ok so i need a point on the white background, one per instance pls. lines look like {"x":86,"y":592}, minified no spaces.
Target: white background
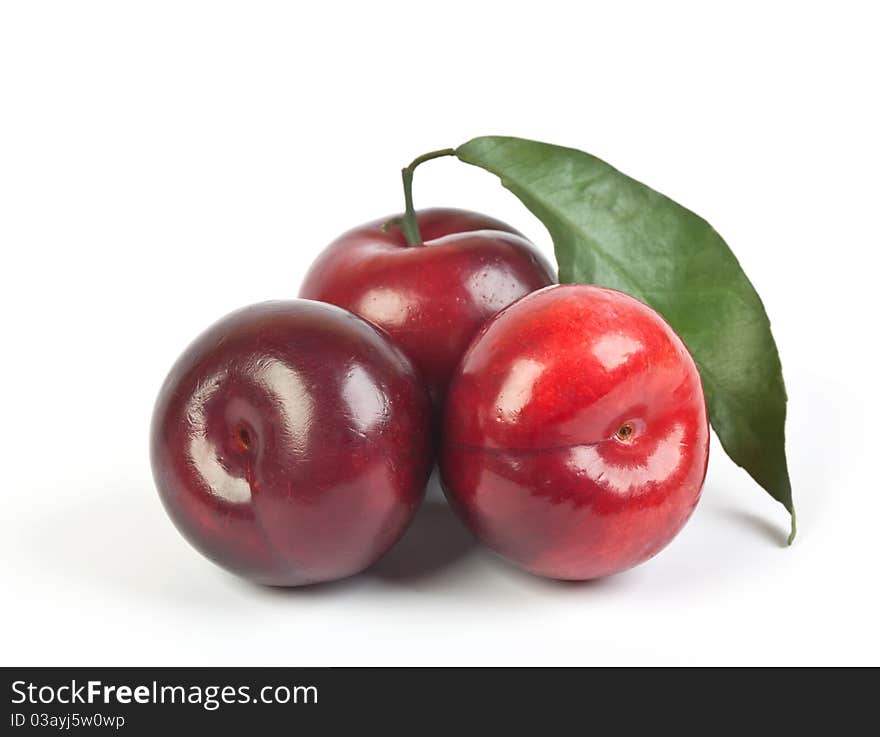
{"x":163,"y":163}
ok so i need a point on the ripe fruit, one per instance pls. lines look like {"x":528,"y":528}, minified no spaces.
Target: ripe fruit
{"x":430,"y":298}
{"x":290,"y":443}
{"x":576,"y":435}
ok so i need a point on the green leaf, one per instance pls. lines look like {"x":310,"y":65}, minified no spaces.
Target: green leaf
{"x":611,"y":230}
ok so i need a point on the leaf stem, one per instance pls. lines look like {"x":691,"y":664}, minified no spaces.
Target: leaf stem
{"x":408,"y":222}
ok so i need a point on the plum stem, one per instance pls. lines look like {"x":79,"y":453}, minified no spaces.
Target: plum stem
{"x":408,"y":223}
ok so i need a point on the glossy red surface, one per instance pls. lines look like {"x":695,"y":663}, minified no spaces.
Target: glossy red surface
{"x":433,"y":298}
{"x":291,"y":443}
{"x":575,"y":436}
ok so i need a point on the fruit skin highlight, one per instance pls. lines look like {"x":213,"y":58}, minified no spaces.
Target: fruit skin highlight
{"x":291,"y":443}
{"x":576,"y":436}
{"x":430,"y":298}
